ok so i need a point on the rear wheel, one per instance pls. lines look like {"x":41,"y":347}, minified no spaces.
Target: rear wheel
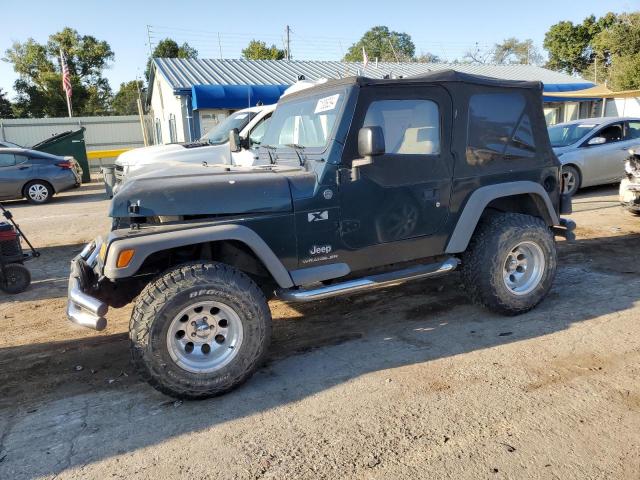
{"x":17,"y":278}
{"x":199,"y":330}
{"x":510,"y":263}
{"x":38,"y":192}
{"x":571,"y":180}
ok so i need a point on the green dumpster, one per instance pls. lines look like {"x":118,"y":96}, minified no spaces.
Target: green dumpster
{"x":71,"y":144}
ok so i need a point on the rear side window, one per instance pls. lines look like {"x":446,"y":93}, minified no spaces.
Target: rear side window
{"x":498,"y":126}
{"x":410,"y":127}
{"x":7,"y":159}
{"x":633,"y":130}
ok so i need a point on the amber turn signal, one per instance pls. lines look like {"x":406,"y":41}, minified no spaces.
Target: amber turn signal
{"x":124,"y":258}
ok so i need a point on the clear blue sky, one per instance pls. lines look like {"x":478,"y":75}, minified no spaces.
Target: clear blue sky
{"x":321,"y":30}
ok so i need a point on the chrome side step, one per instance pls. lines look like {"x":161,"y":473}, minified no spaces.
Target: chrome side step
{"x":368,"y":283}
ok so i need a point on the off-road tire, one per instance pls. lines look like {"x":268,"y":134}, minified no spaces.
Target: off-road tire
{"x":17,"y":278}
{"x":163,"y":298}
{"x":483,"y":262}
{"x":42,"y":186}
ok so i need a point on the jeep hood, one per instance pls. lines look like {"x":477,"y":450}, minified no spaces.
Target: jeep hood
{"x":198,"y":190}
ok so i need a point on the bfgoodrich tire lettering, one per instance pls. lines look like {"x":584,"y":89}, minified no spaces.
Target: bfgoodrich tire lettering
{"x":172,"y":293}
{"x":495,"y":248}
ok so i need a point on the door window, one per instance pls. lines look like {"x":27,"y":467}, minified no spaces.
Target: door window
{"x":410,"y":127}
{"x":612,"y":133}
{"x":633,"y":130}
{"x":255,"y":137}
{"x":7,"y":159}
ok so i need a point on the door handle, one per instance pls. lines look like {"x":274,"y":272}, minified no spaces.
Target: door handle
{"x":23,"y":168}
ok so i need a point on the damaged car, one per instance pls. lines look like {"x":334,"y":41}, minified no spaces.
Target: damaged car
{"x":630,"y":184}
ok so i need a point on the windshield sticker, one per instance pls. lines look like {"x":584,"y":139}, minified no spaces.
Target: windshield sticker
{"x":327,"y":103}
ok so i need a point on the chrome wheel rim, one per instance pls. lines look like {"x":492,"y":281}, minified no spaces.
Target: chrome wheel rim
{"x":204,"y":337}
{"x":569,"y":181}
{"x":524,"y":267}
{"x":38,"y":192}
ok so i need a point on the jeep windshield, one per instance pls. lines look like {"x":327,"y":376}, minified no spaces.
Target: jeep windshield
{"x":563,"y":135}
{"x":305,"y":122}
{"x":220,"y":133}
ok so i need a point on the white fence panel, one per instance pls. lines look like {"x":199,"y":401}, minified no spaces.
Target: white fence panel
{"x":102,"y":133}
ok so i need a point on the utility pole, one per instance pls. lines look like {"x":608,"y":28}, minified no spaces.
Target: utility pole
{"x":393,"y":50}
{"x":288,"y":49}
{"x":595,"y":70}
{"x":149,"y":39}
{"x":220,"y":45}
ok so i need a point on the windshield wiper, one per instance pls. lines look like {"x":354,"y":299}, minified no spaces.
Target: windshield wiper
{"x":299,"y":149}
{"x":269,"y":149}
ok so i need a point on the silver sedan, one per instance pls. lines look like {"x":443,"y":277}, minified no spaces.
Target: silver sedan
{"x":593,"y":150}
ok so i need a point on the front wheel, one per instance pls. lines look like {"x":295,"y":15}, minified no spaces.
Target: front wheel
{"x":199,"y":330}
{"x":510,"y":263}
{"x":571,"y":180}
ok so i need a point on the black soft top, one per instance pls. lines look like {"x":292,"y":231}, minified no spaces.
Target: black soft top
{"x":439,"y":76}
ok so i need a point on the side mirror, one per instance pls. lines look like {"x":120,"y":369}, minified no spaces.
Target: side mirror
{"x":370,"y":144}
{"x":597,"y":141}
{"x":234,"y":140}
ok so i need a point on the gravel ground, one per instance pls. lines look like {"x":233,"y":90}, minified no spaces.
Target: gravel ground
{"x":407,"y":382}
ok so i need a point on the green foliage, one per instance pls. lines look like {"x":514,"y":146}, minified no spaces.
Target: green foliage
{"x":258,"y":50}
{"x":6,"y":110}
{"x":605,"y":49}
{"x":618,"y":49}
{"x":570,"y":46}
{"x":385,"y":45}
{"x":39,"y":86}
{"x":427,"y":58}
{"x":169,"y":48}
{"x":125,"y":102}
{"x":514,"y":51}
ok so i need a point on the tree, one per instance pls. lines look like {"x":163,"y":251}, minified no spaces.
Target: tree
{"x":169,"y":48}
{"x":385,"y":45}
{"x":617,"y":48}
{"x":514,"y":51}
{"x":570,"y":46}
{"x":258,"y":50}
{"x":39,"y":86}
{"x":428,"y":58}
{"x":125,"y":102}
{"x":6,"y":110}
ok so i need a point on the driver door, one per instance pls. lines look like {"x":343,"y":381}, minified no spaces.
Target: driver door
{"x":605,"y":163}
{"x":404,"y":194}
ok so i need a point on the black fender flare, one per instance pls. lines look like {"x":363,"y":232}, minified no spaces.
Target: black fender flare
{"x":146,"y":245}
{"x":478,"y":201}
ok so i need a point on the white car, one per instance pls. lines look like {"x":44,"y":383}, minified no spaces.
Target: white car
{"x":213,"y":148}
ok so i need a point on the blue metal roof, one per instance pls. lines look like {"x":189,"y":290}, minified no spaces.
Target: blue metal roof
{"x":234,"y":96}
{"x":183,"y":74}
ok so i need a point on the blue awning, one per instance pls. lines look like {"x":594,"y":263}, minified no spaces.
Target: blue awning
{"x":565,"y":87}
{"x":234,"y":96}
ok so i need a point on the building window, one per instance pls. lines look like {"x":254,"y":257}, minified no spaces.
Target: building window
{"x":410,"y":127}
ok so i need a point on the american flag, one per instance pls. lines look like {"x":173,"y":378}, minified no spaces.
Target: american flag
{"x":66,"y":77}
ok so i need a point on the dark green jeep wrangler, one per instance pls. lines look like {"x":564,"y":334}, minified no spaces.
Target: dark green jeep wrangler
{"x":358,"y":184}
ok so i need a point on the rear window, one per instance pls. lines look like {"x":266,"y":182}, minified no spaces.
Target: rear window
{"x":499,"y":127}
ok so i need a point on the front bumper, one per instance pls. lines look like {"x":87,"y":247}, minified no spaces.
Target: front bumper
{"x":82,"y":308}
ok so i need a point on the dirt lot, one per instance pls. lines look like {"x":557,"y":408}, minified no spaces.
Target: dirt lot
{"x":409,"y":382}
